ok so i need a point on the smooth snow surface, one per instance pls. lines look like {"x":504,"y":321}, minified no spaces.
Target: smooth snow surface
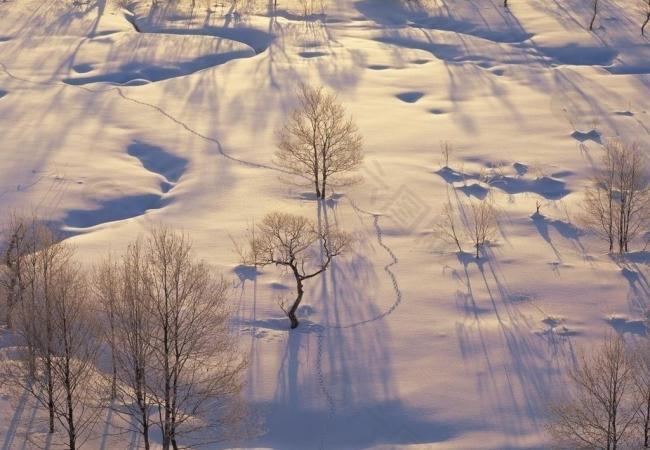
{"x":116,"y":117}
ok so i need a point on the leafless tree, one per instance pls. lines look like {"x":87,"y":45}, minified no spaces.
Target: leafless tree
{"x":449,"y":228}
{"x":44,"y":257}
{"x":106,"y":287}
{"x":599,"y":411}
{"x":120,"y":287}
{"x":292,"y":242}
{"x":475,"y":221}
{"x":482,"y":223}
{"x":195,"y":378}
{"x":57,"y":331}
{"x":319,"y":142}
{"x":11,"y":275}
{"x":640,"y":355}
{"x":617,"y":205}
{"x":74,"y":342}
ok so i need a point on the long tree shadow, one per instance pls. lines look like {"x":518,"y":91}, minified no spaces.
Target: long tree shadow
{"x":534,"y":362}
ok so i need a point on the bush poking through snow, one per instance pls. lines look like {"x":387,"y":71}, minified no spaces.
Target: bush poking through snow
{"x":475,"y":221}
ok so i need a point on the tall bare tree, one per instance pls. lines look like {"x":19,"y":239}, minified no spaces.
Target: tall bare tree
{"x":43,"y":258}
{"x":56,"y":365}
{"x":11,"y":275}
{"x":75,"y":344}
{"x":617,"y":205}
{"x":600,"y":410}
{"x":292,"y":242}
{"x":319,"y":142}
{"x":120,"y":286}
{"x":640,"y":356}
{"x":106,"y":287}
{"x":195,"y":378}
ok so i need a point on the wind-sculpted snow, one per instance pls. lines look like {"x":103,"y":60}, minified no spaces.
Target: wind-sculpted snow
{"x":150,"y":57}
{"x":478,"y":184}
{"x":168,"y":114}
{"x":120,"y":208}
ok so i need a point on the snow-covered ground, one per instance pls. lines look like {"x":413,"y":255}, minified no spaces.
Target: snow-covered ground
{"x":116,"y":117}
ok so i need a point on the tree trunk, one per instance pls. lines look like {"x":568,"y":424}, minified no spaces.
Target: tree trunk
{"x":292,"y":311}
{"x":167,"y":406}
{"x":145,"y":434}
{"x":593,"y":18}
{"x":324,"y":188}
{"x":72,"y":432}
{"x":477,"y":249}
{"x":50,"y":396}
{"x":646,"y":422}
{"x":318,"y":192}
{"x":647,"y":19}
{"x":141,"y":399}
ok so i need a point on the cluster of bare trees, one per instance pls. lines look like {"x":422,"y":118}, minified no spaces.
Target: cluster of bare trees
{"x":617,"y":205}
{"x":160,"y":314}
{"x":608,"y":403}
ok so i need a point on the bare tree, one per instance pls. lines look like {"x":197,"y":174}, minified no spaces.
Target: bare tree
{"x":120,"y":287}
{"x":56,"y":364}
{"x":319,"y":142}
{"x":44,"y":257}
{"x":482,"y":223}
{"x":475,"y":221}
{"x":292,"y":241}
{"x":617,"y":205}
{"x":75,"y":344}
{"x":11,"y":275}
{"x":449,"y":229}
{"x":640,"y":356}
{"x":600,"y":410}
{"x":195,"y":378}
{"x":106,"y":286}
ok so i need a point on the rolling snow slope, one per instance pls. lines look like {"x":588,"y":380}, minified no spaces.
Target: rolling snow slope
{"x":113,"y":119}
